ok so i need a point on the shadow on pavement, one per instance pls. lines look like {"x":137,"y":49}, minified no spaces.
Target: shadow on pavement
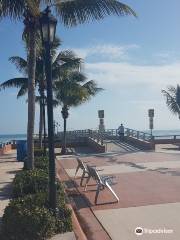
{"x":166,"y":171}
{"x":5,"y":191}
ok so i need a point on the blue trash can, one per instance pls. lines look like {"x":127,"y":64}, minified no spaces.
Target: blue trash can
{"x":21,"y":150}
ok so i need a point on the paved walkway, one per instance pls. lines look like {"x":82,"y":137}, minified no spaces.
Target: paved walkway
{"x":64,"y":236}
{"x":8,"y":168}
{"x":118,"y":146}
{"x":147,"y":184}
{"x":168,"y":148}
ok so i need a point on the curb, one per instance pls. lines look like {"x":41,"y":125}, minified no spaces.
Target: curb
{"x":76,"y":226}
{"x":80,"y":235}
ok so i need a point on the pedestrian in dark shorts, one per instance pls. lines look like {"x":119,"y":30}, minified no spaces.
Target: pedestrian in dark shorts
{"x":121,"y":132}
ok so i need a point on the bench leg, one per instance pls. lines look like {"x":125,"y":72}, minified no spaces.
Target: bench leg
{"x":82,"y":178}
{"x":88,"y":178}
{"x":111,"y":190}
{"x":97,"y":192}
{"x":76,"y":170}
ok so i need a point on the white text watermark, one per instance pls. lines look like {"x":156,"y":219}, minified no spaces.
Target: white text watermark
{"x":140,"y":231}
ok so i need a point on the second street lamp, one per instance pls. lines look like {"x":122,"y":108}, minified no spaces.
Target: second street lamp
{"x":48,"y":29}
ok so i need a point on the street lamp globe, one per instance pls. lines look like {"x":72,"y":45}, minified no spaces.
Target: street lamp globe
{"x":48,"y":26}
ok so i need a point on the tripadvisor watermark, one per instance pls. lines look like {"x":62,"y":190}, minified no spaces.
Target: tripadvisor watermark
{"x":140,"y":231}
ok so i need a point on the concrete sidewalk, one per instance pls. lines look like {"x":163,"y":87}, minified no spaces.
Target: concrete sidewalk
{"x":8,"y":168}
{"x":147,"y":184}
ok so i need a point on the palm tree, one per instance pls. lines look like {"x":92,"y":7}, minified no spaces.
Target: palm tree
{"x":72,"y":89}
{"x":172,"y":96}
{"x":61,"y":61}
{"x":70,"y":13}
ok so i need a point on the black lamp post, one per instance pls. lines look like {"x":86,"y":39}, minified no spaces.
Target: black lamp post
{"x":48,"y":29}
{"x":65,"y":115}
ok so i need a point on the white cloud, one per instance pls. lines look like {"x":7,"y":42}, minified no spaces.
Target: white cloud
{"x":110,"y":51}
{"x":111,"y":67}
{"x":167,"y":57}
{"x":129,"y":75}
{"x":131,"y":88}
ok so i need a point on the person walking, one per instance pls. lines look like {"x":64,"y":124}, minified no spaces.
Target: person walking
{"x":121,"y":132}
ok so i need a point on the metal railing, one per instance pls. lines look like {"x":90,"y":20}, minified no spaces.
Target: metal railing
{"x":77,"y":135}
{"x":168,"y":137}
{"x":3,"y":144}
{"x":100,"y":136}
{"x":94,"y":134}
{"x":138,"y":134}
{"x":130,"y":133}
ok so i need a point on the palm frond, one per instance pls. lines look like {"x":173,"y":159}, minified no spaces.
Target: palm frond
{"x":20,"y":63}
{"x":12,"y":8}
{"x":73,"y":12}
{"x":14,"y":82}
{"x":72,"y":64}
{"x":171,"y":90}
{"x":56,"y":44}
{"x":171,"y":103}
{"x":65,"y":61}
{"x":23,"y":90}
{"x":178,"y":95}
{"x":92,"y":88}
{"x":66,"y":56}
{"x":76,"y":77}
{"x":71,"y":91}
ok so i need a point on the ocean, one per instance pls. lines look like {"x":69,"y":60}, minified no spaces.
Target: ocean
{"x":164,"y":132}
{"x":8,"y":137}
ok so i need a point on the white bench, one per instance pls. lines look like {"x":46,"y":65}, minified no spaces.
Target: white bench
{"x":102,"y":182}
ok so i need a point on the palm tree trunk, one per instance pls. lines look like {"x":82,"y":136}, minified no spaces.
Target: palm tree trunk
{"x":44,"y":123}
{"x":65,"y":116}
{"x":31,"y":96}
{"x":41,"y":121}
{"x":63,"y":151}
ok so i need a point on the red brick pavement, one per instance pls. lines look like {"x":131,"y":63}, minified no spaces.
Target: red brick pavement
{"x":134,"y":189}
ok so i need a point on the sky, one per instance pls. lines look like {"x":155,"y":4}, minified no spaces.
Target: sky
{"x":132,"y":59}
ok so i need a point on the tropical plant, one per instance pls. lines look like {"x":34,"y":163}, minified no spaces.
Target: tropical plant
{"x":61,"y":61}
{"x":70,"y":13}
{"x":72,"y":89}
{"x":172,"y":96}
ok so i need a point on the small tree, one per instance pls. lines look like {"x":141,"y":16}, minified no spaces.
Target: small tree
{"x":172,"y":96}
{"x":73,"y":89}
{"x":65,"y":59}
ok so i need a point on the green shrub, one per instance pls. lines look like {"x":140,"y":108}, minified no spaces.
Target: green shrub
{"x":41,"y":163}
{"x":40,"y":199}
{"x":38,"y":152}
{"x":20,"y":223}
{"x":29,"y":218}
{"x":29,"y":182}
{"x":31,"y":200}
{"x":63,"y":220}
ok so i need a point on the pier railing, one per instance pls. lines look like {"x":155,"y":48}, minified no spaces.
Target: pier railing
{"x":100,"y":136}
{"x":170,"y":137}
{"x":97,"y":135}
{"x":94,"y":134}
{"x":130,"y":133}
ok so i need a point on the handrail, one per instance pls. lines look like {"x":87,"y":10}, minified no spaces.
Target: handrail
{"x":130,"y":133}
{"x":99,"y":136}
{"x":167,"y":135}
